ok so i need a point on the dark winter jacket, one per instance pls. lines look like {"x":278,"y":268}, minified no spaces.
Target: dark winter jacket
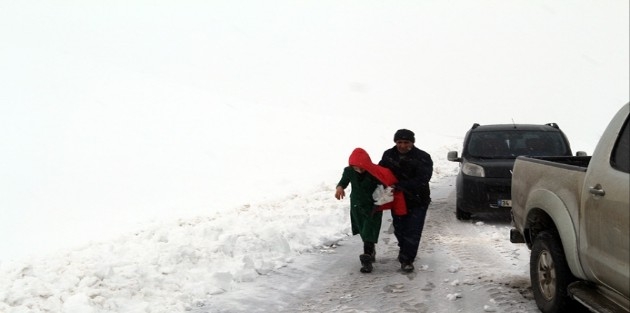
{"x":413,"y":170}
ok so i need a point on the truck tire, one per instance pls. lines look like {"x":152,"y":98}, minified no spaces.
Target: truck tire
{"x":550,"y":274}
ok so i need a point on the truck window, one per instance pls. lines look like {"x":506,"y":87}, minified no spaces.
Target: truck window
{"x":620,"y":158}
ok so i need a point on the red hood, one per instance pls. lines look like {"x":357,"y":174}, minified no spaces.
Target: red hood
{"x":362,"y":159}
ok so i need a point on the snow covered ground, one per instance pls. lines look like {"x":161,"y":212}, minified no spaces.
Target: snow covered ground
{"x":160,"y":156}
{"x":463,"y":267}
{"x":290,"y":255}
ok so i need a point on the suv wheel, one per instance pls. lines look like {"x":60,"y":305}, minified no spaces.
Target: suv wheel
{"x":460,"y":214}
{"x":549,"y":273}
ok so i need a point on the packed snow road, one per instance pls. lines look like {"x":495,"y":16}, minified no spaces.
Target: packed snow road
{"x":463,"y":266}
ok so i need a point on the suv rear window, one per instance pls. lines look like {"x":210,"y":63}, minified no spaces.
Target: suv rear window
{"x":512,"y":143}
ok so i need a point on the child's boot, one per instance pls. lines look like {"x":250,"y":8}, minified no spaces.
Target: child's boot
{"x":368,"y":257}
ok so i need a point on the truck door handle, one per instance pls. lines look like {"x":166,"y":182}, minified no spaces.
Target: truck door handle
{"x":597,"y":190}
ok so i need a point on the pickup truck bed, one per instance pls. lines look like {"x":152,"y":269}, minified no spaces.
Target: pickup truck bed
{"x":576,"y":162}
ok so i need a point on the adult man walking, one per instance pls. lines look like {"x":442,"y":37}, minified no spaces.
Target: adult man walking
{"x":413,"y":168}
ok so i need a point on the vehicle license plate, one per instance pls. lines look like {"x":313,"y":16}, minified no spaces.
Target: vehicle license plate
{"x":505,"y":203}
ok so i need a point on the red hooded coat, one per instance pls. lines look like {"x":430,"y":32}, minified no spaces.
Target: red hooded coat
{"x":360,"y":158}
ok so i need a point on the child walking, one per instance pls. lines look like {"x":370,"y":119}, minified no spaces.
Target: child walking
{"x":365,"y":215}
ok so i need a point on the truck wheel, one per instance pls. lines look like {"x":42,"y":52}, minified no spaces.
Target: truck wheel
{"x":460,"y":214}
{"x":550,"y":274}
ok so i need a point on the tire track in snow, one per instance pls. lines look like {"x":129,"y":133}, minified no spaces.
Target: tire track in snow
{"x":487,"y":262}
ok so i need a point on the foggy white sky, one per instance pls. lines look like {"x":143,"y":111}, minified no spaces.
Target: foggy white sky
{"x":129,"y":111}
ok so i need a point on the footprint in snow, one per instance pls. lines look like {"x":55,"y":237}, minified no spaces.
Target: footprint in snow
{"x":428,"y":287}
{"x":418,"y":307}
{"x":395,"y":288}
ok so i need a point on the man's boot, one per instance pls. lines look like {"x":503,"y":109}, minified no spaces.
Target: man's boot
{"x":405,"y":264}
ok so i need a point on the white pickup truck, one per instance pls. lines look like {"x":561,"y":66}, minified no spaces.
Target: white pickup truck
{"x":574,"y":215}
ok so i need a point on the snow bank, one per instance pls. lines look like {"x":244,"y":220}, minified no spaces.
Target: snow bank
{"x":168,"y":267}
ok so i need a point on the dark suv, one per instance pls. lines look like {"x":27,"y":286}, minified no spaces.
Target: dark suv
{"x":485,"y":176}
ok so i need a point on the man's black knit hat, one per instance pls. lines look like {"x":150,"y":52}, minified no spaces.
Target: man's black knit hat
{"x":404,"y":134}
